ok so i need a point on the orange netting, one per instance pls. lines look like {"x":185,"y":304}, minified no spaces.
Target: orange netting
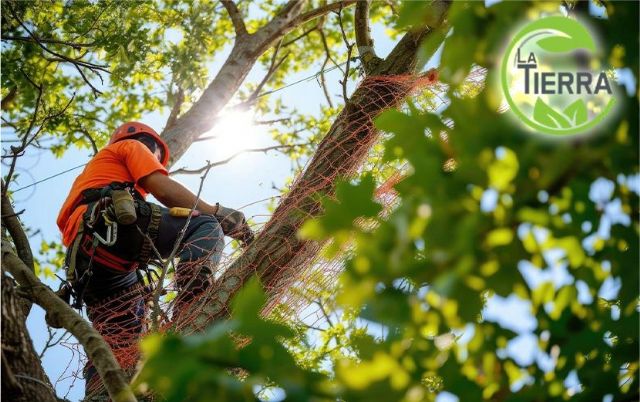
{"x":290,"y":268}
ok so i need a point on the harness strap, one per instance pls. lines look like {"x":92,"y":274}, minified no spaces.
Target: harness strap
{"x":146,"y":253}
{"x":71,"y":268}
{"x":104,"y":257}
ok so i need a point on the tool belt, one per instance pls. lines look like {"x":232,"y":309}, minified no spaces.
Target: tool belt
{"x":109,"y":245}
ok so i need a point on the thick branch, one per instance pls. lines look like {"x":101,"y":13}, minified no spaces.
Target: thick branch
{"x":57,"y":310}
{"x":198,"y":119}
{"x":277,"y":252}
{"x":14,"y":227}
{"x":23,"y":377}
{"x":175,"y":110}
{"x":363,"y":37}
{"x":236,"y":19}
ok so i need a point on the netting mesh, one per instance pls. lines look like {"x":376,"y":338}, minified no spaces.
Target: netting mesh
{"x":290,"y":268}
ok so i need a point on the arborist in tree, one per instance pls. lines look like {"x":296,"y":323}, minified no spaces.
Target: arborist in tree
{"x":112,"y":233}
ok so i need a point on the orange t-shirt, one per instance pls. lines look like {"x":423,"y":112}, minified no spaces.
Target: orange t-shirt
{"x":124,"y":161}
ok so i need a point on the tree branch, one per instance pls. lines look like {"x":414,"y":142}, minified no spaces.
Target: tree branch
{"x":276,"y":251}
{"x":229,"y":159}
{"x":274,"y":65}
{"x":175,"y":110}
{"x":345,"y":78}
{"x":236,"y":19}
{"x":363,"y":37}
{"x":77,"y":62}
{"x":88,"y":135}
{"x":320,"y":11}
{"x":11,"y":222}
{"x":36,"y":39}
{"x":169,"y":260}
{"x":327,"y":58}
{"x":17,"y":150}
{"x":61,"y":313}
{"x":197,"y":120}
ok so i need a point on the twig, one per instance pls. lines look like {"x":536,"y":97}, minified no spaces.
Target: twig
{"x":302,"y":35}
{"x":35,"y":39}
{"x":320,"y":11}
{"x":328,"y":58}
{"x":13,"y":214}
{"x":324,"y":312}
{"x":77,"y":62}
{"x":267,"y":122}
{"x":50,"y":342}
{"x":229,"y":159}
{"x":22,"y":147}
{"x":26,"y":141}
{"x":350,"y":46}
{"x":87,"y":134}
{"x":158,"y":290}
{"x":273,"y":66}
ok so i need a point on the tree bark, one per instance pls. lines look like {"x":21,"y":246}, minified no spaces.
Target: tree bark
{"x":61,"y":315}
{"x":200,"y":118}
{"x":340,"y":153}
{"x":23,"y":378}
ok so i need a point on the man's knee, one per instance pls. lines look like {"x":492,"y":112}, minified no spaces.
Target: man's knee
{"x":205,"y":239}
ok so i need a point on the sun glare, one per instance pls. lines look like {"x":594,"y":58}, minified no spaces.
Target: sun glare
{"x":234,"y":132}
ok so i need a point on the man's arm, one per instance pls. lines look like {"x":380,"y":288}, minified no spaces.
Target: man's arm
{"x":173,"y":194}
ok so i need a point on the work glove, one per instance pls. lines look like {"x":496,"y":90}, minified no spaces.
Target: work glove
{"x":234,"y":224}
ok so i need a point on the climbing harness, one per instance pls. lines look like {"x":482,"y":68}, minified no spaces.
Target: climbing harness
{"x":103,"y":241}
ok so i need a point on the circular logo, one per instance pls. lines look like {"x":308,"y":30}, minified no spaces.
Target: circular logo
{"x":550,"y":79}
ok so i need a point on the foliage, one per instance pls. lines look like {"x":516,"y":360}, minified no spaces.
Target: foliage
{"x":485,"y":207}
{"x":141,"y":56}
{"x":513,"y":207}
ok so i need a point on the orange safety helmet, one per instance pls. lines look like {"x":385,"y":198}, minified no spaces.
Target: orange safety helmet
{"x":134,"y":128}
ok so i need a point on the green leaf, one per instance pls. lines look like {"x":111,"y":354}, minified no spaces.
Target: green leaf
{"x":576,"y":112}
{"x":352,"y":201}
{"x":544,"y":114}
{"x":503,"y":170}
{"x":250,"y":300}
{"x":499,"y":237}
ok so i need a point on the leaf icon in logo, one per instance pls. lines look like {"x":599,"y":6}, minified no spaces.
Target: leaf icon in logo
{"x":571,"y":35}
{"x":545,"y":115}
{"x":576,"y":112}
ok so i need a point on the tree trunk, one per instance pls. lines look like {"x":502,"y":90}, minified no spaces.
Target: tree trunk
{"x":340,"y":153}
{"x":23,"y":378}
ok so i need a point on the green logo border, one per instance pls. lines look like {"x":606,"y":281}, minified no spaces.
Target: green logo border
{"x":534,"y":26}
